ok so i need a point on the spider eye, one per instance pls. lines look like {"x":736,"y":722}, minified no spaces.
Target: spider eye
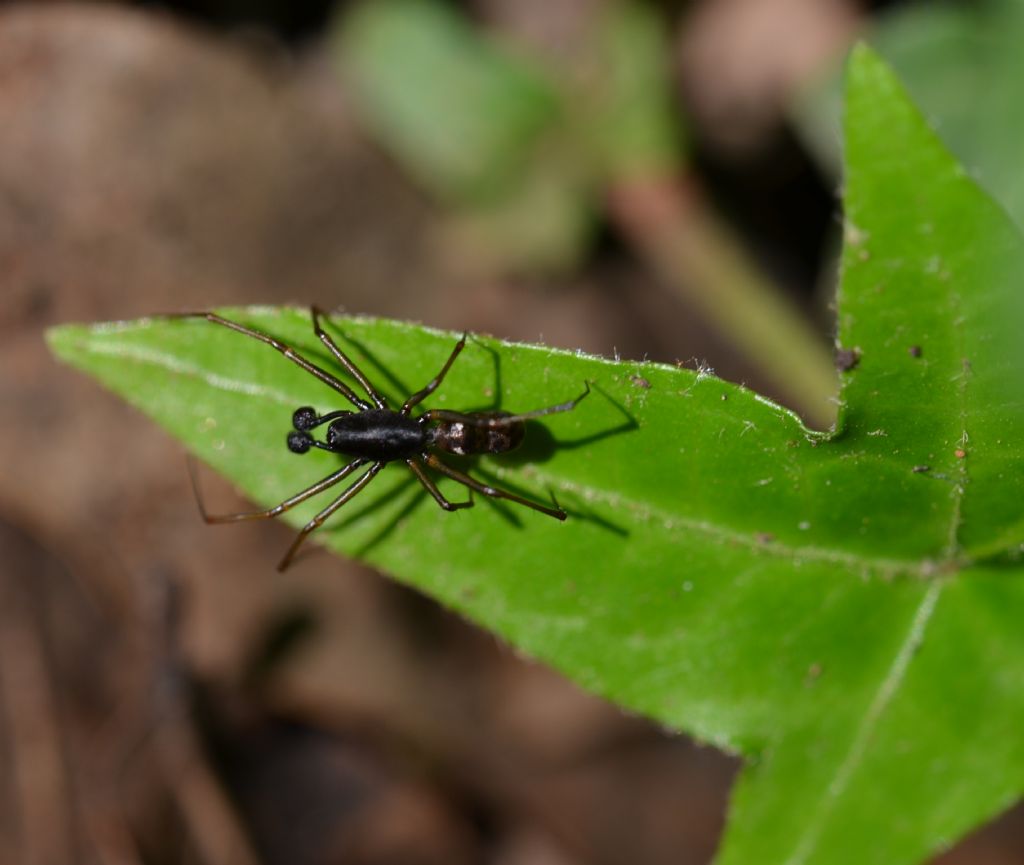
{"x":299,"y":442}
{"x":304,"y":418}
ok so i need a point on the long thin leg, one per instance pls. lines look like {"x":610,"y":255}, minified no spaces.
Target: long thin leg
{"x":486,"y":490}
{"x":287,"y":504}
{"x":431,"y":488}
{"x":319,"y":519}
{"x":287,"y":351}
{"x":343,"y":358}
{"x":435,"y":382}
{"x":492,"y":422}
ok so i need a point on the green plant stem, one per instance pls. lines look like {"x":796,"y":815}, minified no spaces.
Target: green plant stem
{"x":672,"y":227}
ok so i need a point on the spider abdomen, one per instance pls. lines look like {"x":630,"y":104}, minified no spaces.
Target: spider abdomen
{"x":377,"y":434}
{"x":466,"y":439}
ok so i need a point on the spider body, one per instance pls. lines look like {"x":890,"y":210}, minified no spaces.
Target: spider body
{"x":387,"y":435}
{"x":376,"y":434}
{"x":462,"y":439}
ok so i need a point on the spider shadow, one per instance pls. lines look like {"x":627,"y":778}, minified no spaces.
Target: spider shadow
{"x":576,"y":513}
{"x":411,"y":503}
{"x":540,"y":445}
{"x":350,"y":516}
{"x":397,"y":387}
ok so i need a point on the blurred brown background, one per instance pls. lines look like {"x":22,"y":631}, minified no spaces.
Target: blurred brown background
{"x":165,"y":695}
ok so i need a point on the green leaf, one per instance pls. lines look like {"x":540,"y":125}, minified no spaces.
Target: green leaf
{"x":478,"y":126}
{"x":928,"y":300}
{"x":931,"y":745}
{"x":963,"y":66}
{"x":632,"y":117}
{"x":955,"y":260}
{"x":518,"y":151}
{"x":825,"y":606}
{"x":462,"y":115}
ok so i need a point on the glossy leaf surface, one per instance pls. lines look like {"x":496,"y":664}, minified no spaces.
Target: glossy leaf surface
{"x":845,"y":611}
{"x":962,"y":64}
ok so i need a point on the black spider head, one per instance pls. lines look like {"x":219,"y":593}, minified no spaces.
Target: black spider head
{"x":299,"y":441}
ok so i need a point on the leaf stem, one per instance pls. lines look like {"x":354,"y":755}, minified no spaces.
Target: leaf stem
{"x":672,"y":227}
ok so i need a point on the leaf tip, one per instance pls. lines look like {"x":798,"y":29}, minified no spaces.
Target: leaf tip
{"x":61,"y":340}
{"x":866,"y":69}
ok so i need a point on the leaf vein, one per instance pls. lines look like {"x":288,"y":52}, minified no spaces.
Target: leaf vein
{"x":673,"y":522}
{"x":879,"y":704}
{"x":175,"y":364}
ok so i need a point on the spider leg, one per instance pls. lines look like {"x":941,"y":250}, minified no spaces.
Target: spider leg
{"x":431,"y":488}
{"x":286,"y":350}
{"x":492,"y":422}
{"x":287,"y":504}
{"x":319,"y":519}
{"x":492,"y":492}
{"x":315,"y":313}
{"x":435,"y":382}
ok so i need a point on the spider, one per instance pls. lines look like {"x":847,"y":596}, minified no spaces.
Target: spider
{"x":375,"y":434}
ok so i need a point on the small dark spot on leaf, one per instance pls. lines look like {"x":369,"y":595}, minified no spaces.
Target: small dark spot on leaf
{"x":640,"y":381}
{"x":914,"y":351}
{"x":764,"y":537}
{"x":813,"y":673}
{"x":847,"y":359}
{"x":921,"y":469}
